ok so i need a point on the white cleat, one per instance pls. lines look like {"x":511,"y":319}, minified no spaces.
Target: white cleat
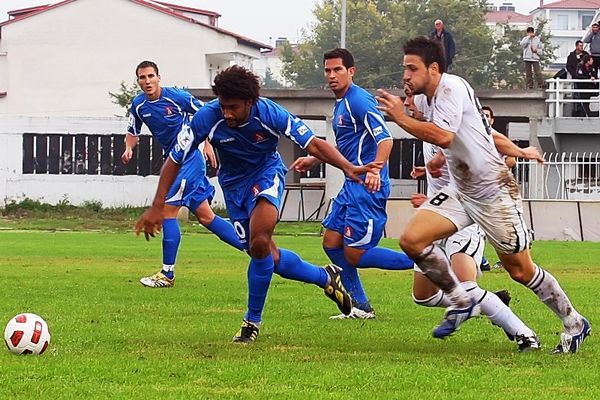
{"x":356,"y":313}
{"x":158,"y":280}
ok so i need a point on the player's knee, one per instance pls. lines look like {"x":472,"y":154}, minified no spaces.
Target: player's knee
{"x":260,"y":246}
{"x":518,"y":274}
{"x":411,"y":245}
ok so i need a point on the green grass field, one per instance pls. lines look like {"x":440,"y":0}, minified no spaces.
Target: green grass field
{"x":113,"y":338}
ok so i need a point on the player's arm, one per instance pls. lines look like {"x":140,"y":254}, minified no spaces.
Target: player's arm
{"x":130,"y":142}
{"x":373,"y":178}
{"x":134,"y":128}
{"x":506,"y":147}
{"x":436,"y":164}
{"x":393,"y":106}
{"x":322,"y":150}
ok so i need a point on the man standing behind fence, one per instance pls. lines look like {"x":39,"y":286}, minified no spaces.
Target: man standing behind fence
{"x":593,"y":38}
{"x":532,"y":51}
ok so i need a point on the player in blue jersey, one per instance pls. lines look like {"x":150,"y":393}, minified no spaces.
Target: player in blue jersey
{"x":245,"y":129}
{"x":166,"y":111}
{"x":358,"y":215}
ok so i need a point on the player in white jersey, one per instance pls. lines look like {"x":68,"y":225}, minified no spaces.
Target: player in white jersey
{"x":465,"y":251}
{"x":486,"y":193}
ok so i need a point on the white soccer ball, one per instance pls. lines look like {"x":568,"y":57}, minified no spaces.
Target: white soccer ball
{"x":27,"y":334}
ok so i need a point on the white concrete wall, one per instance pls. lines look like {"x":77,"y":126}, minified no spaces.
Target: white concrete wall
{"x":63,"y":62}
{"x":112,"y":191}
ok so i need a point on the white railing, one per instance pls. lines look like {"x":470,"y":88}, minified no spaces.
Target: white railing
{"x":564,"y":176}
{"x":563,"y":96}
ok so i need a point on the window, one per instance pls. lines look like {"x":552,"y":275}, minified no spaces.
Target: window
{"x":560,"y":22}
{"x":586,"y":19}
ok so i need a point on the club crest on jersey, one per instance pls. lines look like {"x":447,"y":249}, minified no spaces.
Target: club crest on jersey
{"x":255,"y":189}
{"x":348,"y":232}
{"x":259,"y":137}
{"x":169,"y":110}
{"x":341,"y":120}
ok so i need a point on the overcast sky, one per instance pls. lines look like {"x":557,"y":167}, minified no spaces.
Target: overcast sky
{"x":262,"y":20}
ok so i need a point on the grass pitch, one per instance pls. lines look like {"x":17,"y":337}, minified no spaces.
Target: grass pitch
{"x":113,"y":338}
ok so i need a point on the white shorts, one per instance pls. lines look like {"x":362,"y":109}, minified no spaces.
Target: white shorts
{"x":500,"y":218}
{"x":470,"y":241}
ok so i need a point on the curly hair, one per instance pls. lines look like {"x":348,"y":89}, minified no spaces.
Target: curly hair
{"x":237,"y":82}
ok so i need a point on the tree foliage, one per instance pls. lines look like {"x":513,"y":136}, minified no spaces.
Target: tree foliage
{"x":377,"y":30}
{"x":124,"y":96}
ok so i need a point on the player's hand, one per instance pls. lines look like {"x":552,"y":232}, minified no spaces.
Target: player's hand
{"x":127,"y":155}
{"x":373,"y":181}
{"x":355,"y":171}
{"x":532,"y":153}
{"x":417,"y":199}
{"x":150,"y":221}
{"x":392,"y":105}
{"x":417,"y":172}
{"x":209,"y":155}
{"x":303,"y":164}
{"x":434,"y":171}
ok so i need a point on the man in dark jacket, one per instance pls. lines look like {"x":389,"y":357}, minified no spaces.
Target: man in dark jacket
{"x":574,"y":58}
{"x":445,"y":38}
{"x":586,"y":70}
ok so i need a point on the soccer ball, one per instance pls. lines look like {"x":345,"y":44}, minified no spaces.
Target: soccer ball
{"x":27,"y":334}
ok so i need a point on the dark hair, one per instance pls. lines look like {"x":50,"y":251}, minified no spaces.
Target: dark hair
{"x":596,"y":23}
{"x":489,"y":109}
{"x":146,"y":64}
{"x":236,"y":82}
{"x":430,"y":51}
{"x":585,"y":59}
{"x":577,"y":42}
{"x":345,"y":55}
{"x":530,"y":29}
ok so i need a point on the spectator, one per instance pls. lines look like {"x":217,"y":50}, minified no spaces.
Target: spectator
{"x":572,"y":61}
{"x":593,"y":38}
{"x":586,"y":70}
{"x":532,"y":50}
{"x":446,"y":39}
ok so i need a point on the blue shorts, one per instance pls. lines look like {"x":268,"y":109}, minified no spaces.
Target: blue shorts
{"x":240,"y":200}
{"x":359,"y":216}
{"x":191,"y":186}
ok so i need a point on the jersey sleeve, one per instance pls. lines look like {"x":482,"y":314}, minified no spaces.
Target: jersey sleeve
{"x":372,"y":119}
{"x":189,"y":103}
{"x":190,"y":137}
{"x":448,"y":109}
{"x":134,"y":127}
{"x":282,"y":122}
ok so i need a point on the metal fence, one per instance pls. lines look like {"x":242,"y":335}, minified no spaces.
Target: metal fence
{"x":564,"y":176}
{"x":573,"y":97}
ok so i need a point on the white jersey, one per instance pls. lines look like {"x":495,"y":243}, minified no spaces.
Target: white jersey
{"x":435,"y":184}
{"x":475,"y":165}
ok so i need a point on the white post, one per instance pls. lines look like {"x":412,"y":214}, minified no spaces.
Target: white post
{"x":343,"y":33}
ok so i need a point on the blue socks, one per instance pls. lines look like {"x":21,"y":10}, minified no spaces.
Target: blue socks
{"x":260,"y":272}
{"x":170,"y":244}
{"x":383,"y":258}
{"x":291,"y":266}
{"x":225,"y":231}
{"x":350,"y":278}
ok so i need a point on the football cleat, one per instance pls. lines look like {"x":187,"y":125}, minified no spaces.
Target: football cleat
{"x":247,"y":334}
{"x":498,"y":265}
{"x":453,"y":318}
{"x":569,"y":343}
{"x":158,"y":280}
{"x":356,"y":313}
{"x":485,"y":265}
{"x":527,"y":343}
{"x":335,"y":289}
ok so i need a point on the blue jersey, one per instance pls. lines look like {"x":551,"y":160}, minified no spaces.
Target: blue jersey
{"x":359,"y":127}
{"x":165,"y":117}
{"x":246,"y":149}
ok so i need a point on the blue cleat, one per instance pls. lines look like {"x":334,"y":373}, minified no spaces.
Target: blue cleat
{"x":571,"y":344}
{"x":453,"y":318}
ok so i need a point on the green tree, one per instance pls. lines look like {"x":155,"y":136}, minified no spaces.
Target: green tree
{"x":124,"y":96}
{"x":376,"y":30}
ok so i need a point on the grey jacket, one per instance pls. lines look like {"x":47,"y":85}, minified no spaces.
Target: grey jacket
{"x":594,"y":40}
{"x":533,"y":48}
